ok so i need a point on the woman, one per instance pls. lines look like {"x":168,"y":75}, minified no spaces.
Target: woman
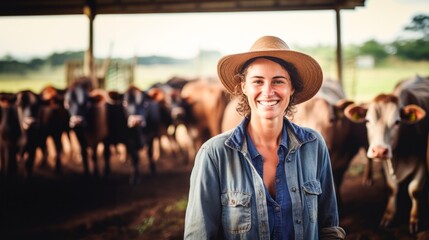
{"x":267,"y":178}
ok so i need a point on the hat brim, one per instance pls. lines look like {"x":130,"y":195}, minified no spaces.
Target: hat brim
{"x":308,"y":69}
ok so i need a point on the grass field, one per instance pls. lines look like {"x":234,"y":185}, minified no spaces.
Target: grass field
{"x":359,"y":84}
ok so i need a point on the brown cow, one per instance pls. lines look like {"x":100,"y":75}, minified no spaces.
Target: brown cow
{"x":397,"y":128}
{"x":231,"y":118}
{"x":324,"y":113}
{"x":89,"y":121}
{"x":207,"y":100}
{"x":11,"y":134}
{"x":53,"y":121}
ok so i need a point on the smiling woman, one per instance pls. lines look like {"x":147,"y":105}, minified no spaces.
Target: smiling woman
{"x":240,"y":176}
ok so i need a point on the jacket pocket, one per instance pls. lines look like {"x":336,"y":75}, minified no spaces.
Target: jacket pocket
{"x":236,"y":213}
{"x":312,"y":190}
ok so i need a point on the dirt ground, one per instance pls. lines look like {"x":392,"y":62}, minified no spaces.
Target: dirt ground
{"x":72,"y":207}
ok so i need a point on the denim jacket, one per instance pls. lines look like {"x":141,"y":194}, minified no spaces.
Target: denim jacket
{"x":227,"y":196}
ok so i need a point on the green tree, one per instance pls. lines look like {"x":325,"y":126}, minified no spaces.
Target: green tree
{"x":375,"y":49}
{"x":412,"y":49}
{"x":417,"y":48}
{"x":419,"y":24}
{"x":58,"y":59}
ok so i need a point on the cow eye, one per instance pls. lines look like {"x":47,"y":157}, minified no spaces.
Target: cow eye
{"x":397,"y":122}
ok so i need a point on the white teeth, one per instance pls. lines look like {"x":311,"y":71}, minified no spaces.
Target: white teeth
{"x":268,"y":103}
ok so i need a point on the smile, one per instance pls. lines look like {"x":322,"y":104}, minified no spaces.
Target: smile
{"x":269,"y":103}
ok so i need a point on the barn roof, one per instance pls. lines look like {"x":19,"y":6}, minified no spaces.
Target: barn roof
{"x":70,"y":7}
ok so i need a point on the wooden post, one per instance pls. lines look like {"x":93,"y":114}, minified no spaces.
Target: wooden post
{"x":339,"y":48}
{"x":89,"y":65}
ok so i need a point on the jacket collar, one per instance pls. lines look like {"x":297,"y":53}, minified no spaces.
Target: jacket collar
{"x":296,"y":136}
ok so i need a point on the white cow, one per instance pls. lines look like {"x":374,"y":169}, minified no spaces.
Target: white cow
{"x":397,"y":127}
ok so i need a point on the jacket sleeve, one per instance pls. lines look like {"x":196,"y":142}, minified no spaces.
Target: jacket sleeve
{"x":203,"y":213}
{"x":328,"y":209}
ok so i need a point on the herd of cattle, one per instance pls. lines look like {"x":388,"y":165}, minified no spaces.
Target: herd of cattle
{"x":393,"y":128}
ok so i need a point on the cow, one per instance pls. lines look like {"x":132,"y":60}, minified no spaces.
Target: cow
{"x":89,"y":120}
{"x":143,"y":118}
{"x":28,"y":109}
{"x":173,"y":110}
{"x":325,"y":113}
{"x":117,"y":117}
{"x":53,"y":122}
{"x":231,"y":118}
{"x":10,"y":135}
{"x":397,"y":125}
{"x":206,"y":100}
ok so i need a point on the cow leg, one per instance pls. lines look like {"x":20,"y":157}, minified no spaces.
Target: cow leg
{"x":135,"y":176}
{"x":393,"y":185}
{"x":29,"y":163}
{"x":152,"y":163}
{"x":367,"y":178}
{"x":415,"y":190}
{"x":83,"y":151}
{"x":96,"y":171}
{"x":59,"y":150}
{"x":106,"y":155}
{"x":12,"y":166}
{"x":44,"y":148}
{"x":2,"y":163}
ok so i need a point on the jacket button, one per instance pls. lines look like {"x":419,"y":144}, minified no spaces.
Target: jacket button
{"x":298,"y":221}
{"x":293,"y":189}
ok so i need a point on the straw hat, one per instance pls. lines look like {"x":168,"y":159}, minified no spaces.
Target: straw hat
{"x":308,"y":68}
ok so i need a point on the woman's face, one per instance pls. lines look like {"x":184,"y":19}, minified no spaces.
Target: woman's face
{"x":268,"y":89}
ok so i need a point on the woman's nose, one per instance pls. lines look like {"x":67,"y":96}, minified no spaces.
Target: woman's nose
{"x":267,"y":90}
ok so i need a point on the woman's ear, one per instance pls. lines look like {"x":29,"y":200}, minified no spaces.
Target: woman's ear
{"x":242,"y":87}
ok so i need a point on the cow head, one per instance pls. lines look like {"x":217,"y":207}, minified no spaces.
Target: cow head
{"x":384,"y":117}
{"x":27,"y":104}
{"x":80,"y":99}
{"x":76,"y":102}
{"x":135,"y":103}
{"x":170,"y":100}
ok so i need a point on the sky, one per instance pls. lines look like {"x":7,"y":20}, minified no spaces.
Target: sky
{"x":184,"y":35}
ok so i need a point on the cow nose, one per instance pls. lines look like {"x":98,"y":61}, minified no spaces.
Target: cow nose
{"x":28,"y":121}
{"x":136,"y":120}
{"x":379,"y":151}
{"x":177,"y":113}
{"x":75,"y":120}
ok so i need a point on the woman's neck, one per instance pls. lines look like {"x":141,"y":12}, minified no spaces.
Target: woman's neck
{"x":265,"y":133}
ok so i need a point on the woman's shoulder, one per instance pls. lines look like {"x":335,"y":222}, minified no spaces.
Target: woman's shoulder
{"x":304,"y":132}
{"x":217,"y":141}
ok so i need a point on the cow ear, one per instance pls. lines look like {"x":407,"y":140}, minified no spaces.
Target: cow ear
{"x":340,"y":106}
{"x":97,"y":98}
{"x":156,"y":94}
{"x":411,"y":114}
{"x":355,"y":113}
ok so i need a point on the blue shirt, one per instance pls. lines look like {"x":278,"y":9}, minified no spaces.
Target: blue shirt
{"x":227,"y":197}
{"x":279,"y":209}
